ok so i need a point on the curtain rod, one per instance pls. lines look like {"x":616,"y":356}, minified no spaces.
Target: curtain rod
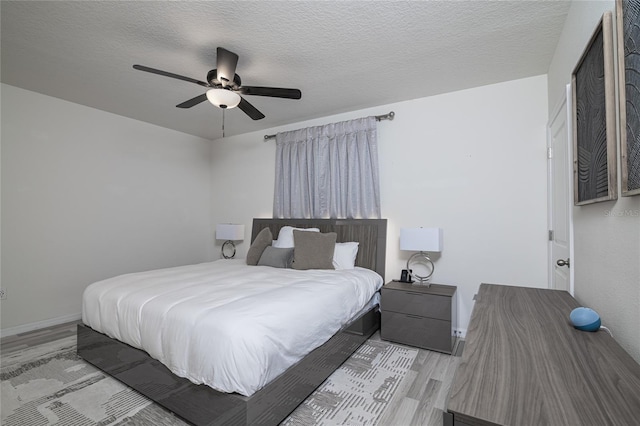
{"x":378,"y":118}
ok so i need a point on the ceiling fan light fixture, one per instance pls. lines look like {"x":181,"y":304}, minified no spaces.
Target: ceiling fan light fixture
{"x":223,"y":98}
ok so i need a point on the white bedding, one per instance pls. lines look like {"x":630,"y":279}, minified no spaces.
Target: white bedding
{"x":225,"y":324}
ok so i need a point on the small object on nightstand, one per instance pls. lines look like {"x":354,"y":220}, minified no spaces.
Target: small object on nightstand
{"x":405,"y":276}
{"x":420,"y":316}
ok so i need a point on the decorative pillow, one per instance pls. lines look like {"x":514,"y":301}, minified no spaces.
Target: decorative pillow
{"x":285,"y":236}
{"x":262,"y":241}
{"x":344,"y":256}
{"x":313,"y":250}
{"x":276,"y":257}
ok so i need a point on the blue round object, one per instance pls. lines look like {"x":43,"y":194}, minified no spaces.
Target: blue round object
{"x":585,"y":319}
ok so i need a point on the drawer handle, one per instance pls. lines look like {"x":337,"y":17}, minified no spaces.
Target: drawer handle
{"x":412,"y":293}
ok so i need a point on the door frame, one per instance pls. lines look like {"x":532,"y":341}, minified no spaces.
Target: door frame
{"x":565,"y":104}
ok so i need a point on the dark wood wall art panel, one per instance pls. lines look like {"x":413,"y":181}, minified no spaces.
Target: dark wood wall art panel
{"x":594,"y":121}
{"x":628,"y":17}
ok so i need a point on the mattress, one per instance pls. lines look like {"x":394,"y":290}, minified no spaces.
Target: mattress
{"x":230,"y":326}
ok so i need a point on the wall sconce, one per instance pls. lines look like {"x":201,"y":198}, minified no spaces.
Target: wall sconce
{"x":421,"y":240}
{"x":230,"y":232}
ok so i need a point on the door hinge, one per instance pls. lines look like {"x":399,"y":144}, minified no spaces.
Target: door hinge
{"x":549,"y":152}
{"x":550,"y":235}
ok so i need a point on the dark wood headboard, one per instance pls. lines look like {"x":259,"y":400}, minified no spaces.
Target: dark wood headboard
{"x":370,"y":233}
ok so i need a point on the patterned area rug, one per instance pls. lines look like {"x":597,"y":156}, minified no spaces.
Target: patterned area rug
{"x":359,"y":391}
{"x":50,"y":385}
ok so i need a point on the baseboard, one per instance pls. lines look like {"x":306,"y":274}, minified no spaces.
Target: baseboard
{"x":12,"y":331}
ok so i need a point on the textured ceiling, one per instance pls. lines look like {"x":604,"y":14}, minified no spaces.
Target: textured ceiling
{"x":344,"y":55}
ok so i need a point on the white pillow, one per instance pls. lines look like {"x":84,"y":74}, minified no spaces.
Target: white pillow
{"x":344,"y":255}
{"x":285,"y":237}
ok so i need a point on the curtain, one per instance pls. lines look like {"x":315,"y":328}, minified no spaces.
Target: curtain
{"x":328,"y":172}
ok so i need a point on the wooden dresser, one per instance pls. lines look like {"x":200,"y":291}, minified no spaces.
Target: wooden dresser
{"x":524,"y":364}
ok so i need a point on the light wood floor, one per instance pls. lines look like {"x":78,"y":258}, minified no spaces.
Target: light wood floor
{"x":419,"y":401}
{"x":33,"y":338}
{"x":422,"y":395}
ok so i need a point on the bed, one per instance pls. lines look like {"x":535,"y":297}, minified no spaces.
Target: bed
{"x":263,"y":403}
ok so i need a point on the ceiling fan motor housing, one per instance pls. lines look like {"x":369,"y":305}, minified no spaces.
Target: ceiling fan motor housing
{"x":212,"y":78}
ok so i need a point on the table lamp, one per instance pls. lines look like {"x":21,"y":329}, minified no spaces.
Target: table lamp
{"x":230,"y":232}
{"x":422,"y":240}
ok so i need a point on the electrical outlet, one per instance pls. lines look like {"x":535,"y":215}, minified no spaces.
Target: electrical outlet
{"x":3,"y":294}
{"x":458,"y":332}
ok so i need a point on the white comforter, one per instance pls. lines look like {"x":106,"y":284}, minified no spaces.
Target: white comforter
{"x":225,"y":324}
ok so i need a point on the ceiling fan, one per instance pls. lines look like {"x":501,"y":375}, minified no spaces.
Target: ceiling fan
{"x":225,"y":86}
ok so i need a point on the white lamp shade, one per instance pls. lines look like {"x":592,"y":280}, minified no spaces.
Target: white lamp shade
{"x":229,"y":231}
{"x":421,"y":239}
{"x":223,"y":98}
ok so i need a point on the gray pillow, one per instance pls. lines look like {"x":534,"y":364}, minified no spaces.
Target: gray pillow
{"x":313,"y":250}
{"x":262,"y":241}
{"x":276,"y":257}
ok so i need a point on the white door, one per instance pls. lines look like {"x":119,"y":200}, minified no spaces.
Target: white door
{"x":560,"y":202}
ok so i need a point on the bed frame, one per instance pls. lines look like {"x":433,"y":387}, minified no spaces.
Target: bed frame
{"x":202,"y":405}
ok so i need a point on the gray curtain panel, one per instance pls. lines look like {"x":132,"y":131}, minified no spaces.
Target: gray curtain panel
{"x":328,"y":172}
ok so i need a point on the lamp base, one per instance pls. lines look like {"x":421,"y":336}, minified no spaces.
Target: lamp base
{"x":419,"y":258}
{"x":224,"y":252}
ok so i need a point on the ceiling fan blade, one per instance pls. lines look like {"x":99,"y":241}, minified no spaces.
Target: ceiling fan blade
{"x":226,"y":65}
{"x":250,"y":110}
{"x":170,"y":74}
{"x":193,"y":101}
{"x":274,"y":92}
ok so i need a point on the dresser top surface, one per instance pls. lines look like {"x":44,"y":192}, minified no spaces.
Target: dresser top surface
{"x":524,"y":363}
{"x":435,"y":289}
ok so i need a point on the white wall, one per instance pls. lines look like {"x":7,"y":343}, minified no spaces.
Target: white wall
{"x":472,"y":162}
{"x":87,"y":195}
{"x":606,"y":235}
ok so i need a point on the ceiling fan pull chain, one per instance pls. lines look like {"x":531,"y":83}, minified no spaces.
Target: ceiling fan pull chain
{"x":223,"y":122}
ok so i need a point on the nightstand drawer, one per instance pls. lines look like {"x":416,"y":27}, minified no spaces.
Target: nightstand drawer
{"x":414,"y":303}
{"x":421,"y":332}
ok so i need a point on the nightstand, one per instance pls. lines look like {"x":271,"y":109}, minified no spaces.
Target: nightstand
{"x":419,"y":316}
